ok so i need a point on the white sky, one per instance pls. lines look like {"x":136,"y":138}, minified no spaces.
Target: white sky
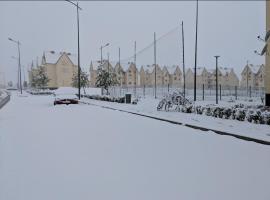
{"x":229,"y":29}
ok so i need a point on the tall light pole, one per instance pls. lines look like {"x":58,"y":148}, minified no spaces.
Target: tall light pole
{"x":247,"y":77}
{"x":183,"y":45}
{"x":155,"y":64}
{"x":101,"y":48}
{"x":19,"y":62}
{"x":17,"y":59}
{"x":216,"y":78}
{"x":196,"y":38}
{"x":78,"y":40}
{"x":135,"y":69}
{"x":120,"y":71}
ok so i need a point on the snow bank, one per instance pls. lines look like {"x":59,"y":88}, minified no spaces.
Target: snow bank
{"x":84,"y":152}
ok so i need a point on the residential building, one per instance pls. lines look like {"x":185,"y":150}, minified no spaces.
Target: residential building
{"x":120,"y":74}
{"x":59,"y":68}
{"x":252,"y":76}
{"x":132,"y":75}
{"x":175,"y":76}
{"x":142,"y":77}
{"x":166,"y":76}
{"x":267,"y":56}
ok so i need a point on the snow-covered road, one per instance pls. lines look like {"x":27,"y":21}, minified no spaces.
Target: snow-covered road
{"x":85,"y":152}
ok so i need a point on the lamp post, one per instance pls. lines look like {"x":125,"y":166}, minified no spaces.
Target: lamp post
{"x":155,"y":64}
{"x":196,"y":38}
{"x":183,"y":49}
{"x":216,"y":78}
{"x":17,"y":59}
{"x":247,"y":77}
{"x":101,"y":60}
{"x":135,"y":85}
{"x":19,"y":62}
{"x":78,"y":40}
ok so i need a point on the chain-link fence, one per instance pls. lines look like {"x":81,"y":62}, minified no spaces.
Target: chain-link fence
{"x":203,"y":93}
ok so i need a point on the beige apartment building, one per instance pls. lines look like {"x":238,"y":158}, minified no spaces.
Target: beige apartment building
{"x":60,"y":69}
{"x":267,"y":56}
{"x":252,"y":76}
{"x":175,"y":76}
{"x":93,"y":71}
{"x":120,"y":74}
{"x":202,"y":75}
{"x":132,"y":75}
{"x":207,"y":77}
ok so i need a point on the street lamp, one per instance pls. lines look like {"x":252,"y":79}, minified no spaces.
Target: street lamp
{"x":216,"y":78}
{"x":101,"y":51}
{"x":196,"y":43}
{"x":19,"y":62}
{"x":78,"y":33}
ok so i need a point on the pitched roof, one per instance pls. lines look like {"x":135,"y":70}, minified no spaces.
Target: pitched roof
{"x":52,"y":58}
{"x":172,"y":69}
{"x":199,"y":70}
{"x":254,"y":68}
{"x":94,"y":65}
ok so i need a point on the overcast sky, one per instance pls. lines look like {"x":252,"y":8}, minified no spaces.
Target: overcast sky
{"x":228,"y":29}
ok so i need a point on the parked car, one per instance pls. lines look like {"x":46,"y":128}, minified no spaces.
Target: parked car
{"x":65,"y":99}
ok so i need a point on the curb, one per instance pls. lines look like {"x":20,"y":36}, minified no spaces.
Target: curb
{"x":241,"y":137}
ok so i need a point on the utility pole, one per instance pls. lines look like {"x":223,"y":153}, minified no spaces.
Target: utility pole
{"x":79,"y":67}
{"x":217,"y":78}
{"x":101,"y":55}
{"x":135,"y":86}
{"x":155,"y":64}
{"x":78,"y":41}
{"x":19,"y":63}
{"x":108,"y":56}
{"x":120,"y":71}
{"x":196,"y":38}
{"x":247,"y":77}
{"x":184,"y":73}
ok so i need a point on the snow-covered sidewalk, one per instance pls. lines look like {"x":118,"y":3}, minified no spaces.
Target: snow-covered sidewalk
{"x":148,"y":107}
{"x":86,"y":152}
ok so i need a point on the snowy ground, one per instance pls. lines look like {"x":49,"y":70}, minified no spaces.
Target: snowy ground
{"x":86,"y":152}
{"x":148,"y":106}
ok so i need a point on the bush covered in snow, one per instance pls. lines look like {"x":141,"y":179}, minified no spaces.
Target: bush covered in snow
{"x":105,"y":98}
{"x":40,"y":92}
{"x":255,"y":114}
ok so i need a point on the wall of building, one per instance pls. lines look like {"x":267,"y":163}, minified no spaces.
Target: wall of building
{"x":267,"y":58}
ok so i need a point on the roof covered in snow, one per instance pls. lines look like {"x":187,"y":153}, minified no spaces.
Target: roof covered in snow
{"x":171,"y":69}
{"x":52,"y":57}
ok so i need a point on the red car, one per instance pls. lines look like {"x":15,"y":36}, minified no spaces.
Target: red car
{"x":66,"y":99}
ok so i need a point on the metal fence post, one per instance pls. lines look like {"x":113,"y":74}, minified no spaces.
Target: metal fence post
{"x":220,"y":92}
{"x":236,"y":92}
{"x":203,"y":92}
{"x":144,"y":91}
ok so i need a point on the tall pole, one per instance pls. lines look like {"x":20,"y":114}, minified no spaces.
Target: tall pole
{"x":108,"y":58}
{"x":247,"y":78}
{"x":100,"y":55}
{"x":120,"y":71}
{"x":155,"y":64}
{"x":79,"y":68}
{"x":78,"y":34}
{"x":195,"y":68}
{"x":184,"y":73}
{"x":20,"y":71}
{"x":135,"y":69}
{"x":217,"y":78}
{"x":19,"y":64}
